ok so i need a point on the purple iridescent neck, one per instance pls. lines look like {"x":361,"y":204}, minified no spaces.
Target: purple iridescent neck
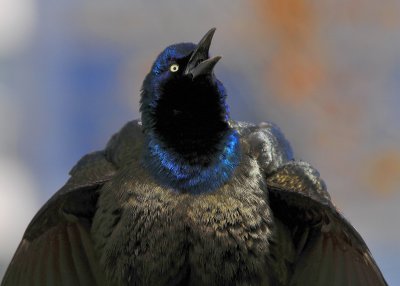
{"x":172,"y":170}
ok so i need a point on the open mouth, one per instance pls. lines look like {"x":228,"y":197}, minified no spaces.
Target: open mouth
{"x":200,"y":63}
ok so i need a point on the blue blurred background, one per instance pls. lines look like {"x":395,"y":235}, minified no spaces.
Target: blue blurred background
{"x":327,"y":72}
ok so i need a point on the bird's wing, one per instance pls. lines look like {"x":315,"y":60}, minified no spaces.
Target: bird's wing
{"x":315,"y":243}
{"x":57,"y":248}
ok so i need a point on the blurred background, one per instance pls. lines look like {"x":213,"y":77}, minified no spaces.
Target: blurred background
{"x":327,"y":72}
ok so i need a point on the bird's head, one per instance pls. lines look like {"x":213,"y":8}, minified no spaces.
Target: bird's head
{"x":190,"y":145}
{"x":181,"y":95}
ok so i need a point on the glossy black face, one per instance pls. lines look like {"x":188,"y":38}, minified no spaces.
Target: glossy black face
{"x":189,"y":115}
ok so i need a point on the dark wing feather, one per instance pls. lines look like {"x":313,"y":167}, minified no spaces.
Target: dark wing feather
{"x":57,"y":248}
{"x":327,"y":250}
{"x":63,"y":255}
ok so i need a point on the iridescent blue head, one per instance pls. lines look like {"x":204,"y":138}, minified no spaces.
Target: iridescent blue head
{"x":191,"y":147}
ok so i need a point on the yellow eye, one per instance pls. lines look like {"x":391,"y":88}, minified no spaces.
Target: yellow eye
{"x":174,"y":68}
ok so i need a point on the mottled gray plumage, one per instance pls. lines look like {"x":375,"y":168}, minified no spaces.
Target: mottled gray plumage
{"x":271,"y":223}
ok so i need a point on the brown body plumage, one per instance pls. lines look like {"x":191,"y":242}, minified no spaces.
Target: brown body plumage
{"x":112,"y":225}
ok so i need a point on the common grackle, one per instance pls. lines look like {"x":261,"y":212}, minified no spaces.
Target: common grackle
{"x":187,"y":196}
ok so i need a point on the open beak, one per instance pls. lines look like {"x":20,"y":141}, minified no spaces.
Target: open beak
{"x":200,"y":63}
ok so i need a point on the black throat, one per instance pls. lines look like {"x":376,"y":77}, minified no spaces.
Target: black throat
{"x":190,"y":118}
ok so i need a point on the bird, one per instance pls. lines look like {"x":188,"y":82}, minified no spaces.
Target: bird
{"x":187,"y":196}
